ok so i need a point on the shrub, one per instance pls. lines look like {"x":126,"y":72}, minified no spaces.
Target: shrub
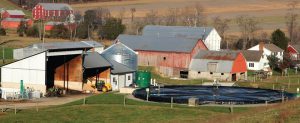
{"x":32,"y":31}
{"x":2,"y":31}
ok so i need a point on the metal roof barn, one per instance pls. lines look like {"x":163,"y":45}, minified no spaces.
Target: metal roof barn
{"x":122,"y":54}
{"x":168,"y":55}
{"x":208,"y":35}
{"x":153,"y":43}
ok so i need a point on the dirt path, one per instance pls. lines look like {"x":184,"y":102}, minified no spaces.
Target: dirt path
{"x":51,"y":101}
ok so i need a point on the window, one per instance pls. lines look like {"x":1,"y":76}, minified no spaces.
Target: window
{"x":275,"y":53}
{"x":114,"y":79}
{"x":128,"y":77}
{"x":251,"y":64}
{"x":199,"y":72}
{"x":165,"y":58}
{"x":211,"y":73}
{"x":222,"y":73}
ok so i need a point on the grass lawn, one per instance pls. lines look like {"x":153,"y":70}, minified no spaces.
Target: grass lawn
{"x":109,"y":108}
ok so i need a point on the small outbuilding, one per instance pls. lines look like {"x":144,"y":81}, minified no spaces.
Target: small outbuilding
{"x":13,"y":14}
{"x":219,"y":65}
{"x":13,"y":23}
{"x":124,"y":64}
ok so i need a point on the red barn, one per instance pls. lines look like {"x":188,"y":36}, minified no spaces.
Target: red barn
{"x":49,"y":25}
{"x":13,"y":14}
{"x":219,"y":65}
{"x":170,"y":56}
{"x":294,"y":51}
{"x":13,"y":23}
{"x":51,"y":11}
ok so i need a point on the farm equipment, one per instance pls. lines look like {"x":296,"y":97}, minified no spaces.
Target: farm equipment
{"x":103,"y":86}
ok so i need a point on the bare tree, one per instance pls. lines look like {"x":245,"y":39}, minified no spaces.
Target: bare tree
{"x":151,"y":18}
{"x":248,"y":26}
{"x":291,"y":19}
{"x":171,"y":17}
{"x":122,"y":13}
{"x":193,"y":15}
{"x":221,"y":25}
{"x":132,"y":10}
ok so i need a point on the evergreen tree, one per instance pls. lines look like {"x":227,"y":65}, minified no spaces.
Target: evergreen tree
{"x":112,"y":28}
{"x":279,"y":39}
{"x":22,"y":28}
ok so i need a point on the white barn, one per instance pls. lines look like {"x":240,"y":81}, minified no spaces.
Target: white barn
{"x":209,"y":35}
{"x":268,"y":50}
{"x":32,"y":70}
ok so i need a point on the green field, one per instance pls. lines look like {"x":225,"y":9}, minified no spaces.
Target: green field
{"x":109,"y":108}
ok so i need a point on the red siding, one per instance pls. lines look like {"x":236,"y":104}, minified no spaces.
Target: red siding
{"x":199,"y":46}
{"x":13,"y":24}
{"x":38,"y":12}
{"x":7,"y":15}
{"x":239,"y":64}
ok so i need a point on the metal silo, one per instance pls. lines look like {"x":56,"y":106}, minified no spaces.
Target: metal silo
{"x":121,"y":54}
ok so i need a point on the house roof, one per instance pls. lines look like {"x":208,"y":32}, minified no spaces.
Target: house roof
{"x":217,"y":55}
{"x":273,"y":48}
{"x":296,"y":47}
{"x":56,"y":6}
{"x":94,"y":60}
{"x":177,"y":31}
{"x":252,"y":55}
{"x":118,"y":68}
{"x":66,"y":45}
{"x":15,"y":12}
{"x":15,"y":19}
{"x":153,"y":43}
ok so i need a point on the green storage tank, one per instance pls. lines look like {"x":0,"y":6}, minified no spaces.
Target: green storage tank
{"x":143,"y":79}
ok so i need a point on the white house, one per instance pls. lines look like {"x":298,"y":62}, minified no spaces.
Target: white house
{"x":209,"y":35}
{"x":268,"y":50}
{"x":256,"y":60}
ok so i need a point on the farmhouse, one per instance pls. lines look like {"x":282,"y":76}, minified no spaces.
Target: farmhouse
{"x":170,"y":56}
{"x":51,"y":11}
{"x":13,"y":14}
{"x":124,"y":64}
{"x":256,"y":60}
{"x":13,"y":23}
{"x":219,"y":65}
{"x":63,"y":64}
{"x":268,"y":50}
{"x":208,"y":35}
{"x":294,"y":51}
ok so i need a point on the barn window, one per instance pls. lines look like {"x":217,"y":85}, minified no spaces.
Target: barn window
{"x":199,"y":72}
{"x":129,"y":78}
{"x":165,"y":58}
{"x":211,"y":73}
{"x":222,"y":73}
{"x":212,"y":66}
{"x":251,"y":64}
{"x":114,"y":79}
